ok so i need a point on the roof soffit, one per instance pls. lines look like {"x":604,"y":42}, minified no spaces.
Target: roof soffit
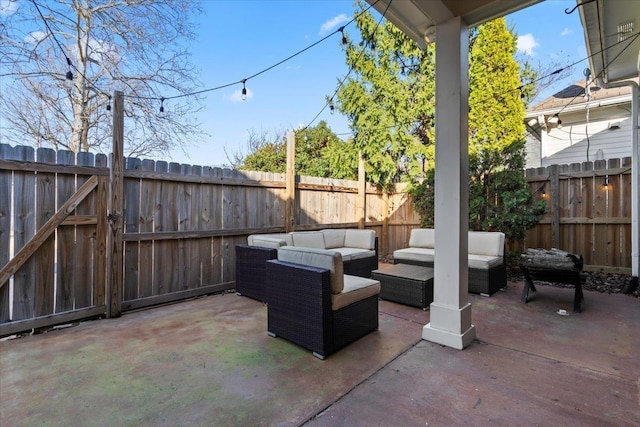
{"x":416,"y":17}
{"x":611,"y":57}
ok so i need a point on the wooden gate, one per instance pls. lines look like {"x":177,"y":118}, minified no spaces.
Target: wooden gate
{"x":52,"y":237}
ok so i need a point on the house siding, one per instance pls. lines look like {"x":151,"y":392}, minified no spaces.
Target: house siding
{"x":569,"y":144}
{"x":581,"y":117}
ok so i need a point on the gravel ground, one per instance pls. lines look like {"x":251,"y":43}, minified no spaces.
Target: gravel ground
{"x":609,"y":283}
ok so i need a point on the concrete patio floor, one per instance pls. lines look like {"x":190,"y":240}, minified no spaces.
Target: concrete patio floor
{"x":209,"y":362}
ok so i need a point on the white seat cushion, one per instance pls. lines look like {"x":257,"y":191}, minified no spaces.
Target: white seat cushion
{"x":321,"y":258}
{"x":484,"y":262}
{"x":414,"y":254}
{"x":280,"y":236}
{"x":267,"y":242}
{"x":349,"y":254}
{"x":355,"y":289}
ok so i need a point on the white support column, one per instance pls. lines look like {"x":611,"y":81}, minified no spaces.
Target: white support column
{"x":635,"y":183}
{"x":450,"y":317}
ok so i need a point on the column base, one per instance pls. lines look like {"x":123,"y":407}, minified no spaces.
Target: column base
{"x":450,"y":326}
{"x":448,"y":338}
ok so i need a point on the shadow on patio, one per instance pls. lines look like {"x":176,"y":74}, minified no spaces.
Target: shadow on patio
{"x":210,"y":362}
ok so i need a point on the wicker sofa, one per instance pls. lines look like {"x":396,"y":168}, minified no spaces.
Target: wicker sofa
{"x":358,"y":248}
{"x":312,"y":303}
{"x":487,"y":267}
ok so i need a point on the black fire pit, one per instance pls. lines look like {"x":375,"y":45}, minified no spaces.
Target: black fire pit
{"x":552,"y":266}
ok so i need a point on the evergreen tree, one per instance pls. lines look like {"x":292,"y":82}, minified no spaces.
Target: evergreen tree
{"x":499,"y":198}
{"x":388,"y":98}
{"x":498,"y":195}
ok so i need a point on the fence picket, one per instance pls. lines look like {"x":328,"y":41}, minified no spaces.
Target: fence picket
{"x":45,"y":255}
{"x":24,"y":281}
{"x":148,"y":190}
{"x":5,"y":229}
{"x":131,"y":188}
{"x":83,"y":265}
{"x":65,"y":187}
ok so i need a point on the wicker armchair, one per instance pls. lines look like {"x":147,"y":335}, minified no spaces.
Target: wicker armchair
{"x":302,"y":306}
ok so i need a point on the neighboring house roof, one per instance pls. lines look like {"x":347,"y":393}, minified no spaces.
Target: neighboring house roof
{"x":572,"y":98}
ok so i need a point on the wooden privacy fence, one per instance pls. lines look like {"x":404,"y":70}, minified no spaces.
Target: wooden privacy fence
{"x":588,"y":211}
{"x":70,"y":250}
{"x":179,"y":227}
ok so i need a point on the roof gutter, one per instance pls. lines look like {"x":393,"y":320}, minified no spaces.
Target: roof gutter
{"x":579,"y":107}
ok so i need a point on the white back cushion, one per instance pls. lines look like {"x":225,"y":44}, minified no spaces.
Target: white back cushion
{"x":321,"y":258}
{"x":308,"y":239}
{"x":334,"y":238}
{"x":486,"y":243}
{"x":422,"y":238}
{"x":363,"y":239}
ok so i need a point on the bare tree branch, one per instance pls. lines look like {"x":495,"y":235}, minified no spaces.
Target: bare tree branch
{"x":128,"y":45}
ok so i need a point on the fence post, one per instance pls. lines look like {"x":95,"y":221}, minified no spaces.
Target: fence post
{"x":290,"y":182}
{"x":361,"y":198}
{"x":115,"y":207}
{"x":384,"y":241}
{"x":554,"y":177}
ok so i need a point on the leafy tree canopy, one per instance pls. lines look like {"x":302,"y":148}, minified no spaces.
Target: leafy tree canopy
{"x":319,"y":152}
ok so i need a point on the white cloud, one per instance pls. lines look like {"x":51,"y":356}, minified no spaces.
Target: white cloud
{"x":333,"y":23}
{"x":237,"y":95}
{"x":566,"y":32}
{"x":527,"y":43}
{"x":35,"y":36}
{"x":8,"y":7}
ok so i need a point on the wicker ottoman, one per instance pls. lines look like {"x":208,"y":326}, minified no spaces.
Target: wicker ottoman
{"x":406,"y":284}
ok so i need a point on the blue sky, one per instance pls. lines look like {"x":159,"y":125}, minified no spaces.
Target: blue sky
{"x":240,"y":38}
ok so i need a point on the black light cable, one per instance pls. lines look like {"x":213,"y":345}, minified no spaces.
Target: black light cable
{"x":69,"y":74}
{"x":329,"y":102}
{"x":244,"y":81}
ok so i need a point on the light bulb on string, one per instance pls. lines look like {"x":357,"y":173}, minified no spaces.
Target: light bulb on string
{"x":344,"y":38}
{"x":244,"y":89}
{"x":69,"y":74}
{"x":109,"y":104}
{"x":162,"y":105}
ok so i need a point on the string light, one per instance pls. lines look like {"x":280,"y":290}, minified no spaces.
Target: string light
{"x":243,"y":81}
{"x":344,"y":38}
{"x":69,"y":73}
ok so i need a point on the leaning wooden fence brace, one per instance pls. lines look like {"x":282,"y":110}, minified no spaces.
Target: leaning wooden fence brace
{"x":49,"y":227}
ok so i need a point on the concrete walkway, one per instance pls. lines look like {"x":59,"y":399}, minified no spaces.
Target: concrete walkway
{"x":209,"y":362}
